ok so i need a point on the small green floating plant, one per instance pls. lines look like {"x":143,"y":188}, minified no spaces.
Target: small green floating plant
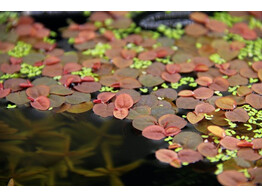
{"x":20,"y":50}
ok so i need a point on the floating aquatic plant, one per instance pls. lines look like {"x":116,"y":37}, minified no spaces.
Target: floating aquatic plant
{"x":210,"y":75}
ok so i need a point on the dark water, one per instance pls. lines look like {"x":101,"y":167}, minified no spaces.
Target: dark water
{"x":45,"y":148}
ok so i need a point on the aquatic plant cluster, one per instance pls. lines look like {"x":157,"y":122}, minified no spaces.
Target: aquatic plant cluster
{"x":206,"y":76}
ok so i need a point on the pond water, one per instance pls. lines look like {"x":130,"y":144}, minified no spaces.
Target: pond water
{"x":82,"y":149}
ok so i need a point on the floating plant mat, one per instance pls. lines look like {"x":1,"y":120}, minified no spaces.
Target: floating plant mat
{"x":190,"y":94}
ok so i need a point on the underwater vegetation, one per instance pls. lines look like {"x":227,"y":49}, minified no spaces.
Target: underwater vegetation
{"x":198,"y":88}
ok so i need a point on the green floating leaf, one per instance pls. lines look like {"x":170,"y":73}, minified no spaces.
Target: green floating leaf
{"x":56,"y":100}
{"x":60,"y":90}
{"x":141,"y":122}
{"x":77,"y":98}
{"x":18,"y":98}
{"x":138,"y":111}
{"x":188,"y":139}
{"x":80,"y":108}
{"x":149,"y":80}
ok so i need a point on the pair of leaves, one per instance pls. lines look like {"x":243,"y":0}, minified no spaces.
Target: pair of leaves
{"x":122,"y":104}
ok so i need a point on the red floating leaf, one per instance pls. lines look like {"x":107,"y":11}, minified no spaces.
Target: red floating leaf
{"x":207,"y":149}
{"x":105,"y":96}
{"x":216,"y":26}
{"x":187,"y":102}
{"x":257,"y":143}
{"x":129,"y":83}
{"x":87,"y":79}
{"x":247,"y":72}
{"x":230,"y":143}
{"x":244,"y":143}
{"x":4,"y":92}
{"x":203,"y":93}
{"x":26,"y":85}
{"x":14,"y":84}
{"x":186,"y":93}
{"x":10,"y":69}
{"x":154,"y":132}
{"x":256,"y":174}
{"x":66,"y":80}
{"x":41,"y":103}
{"x":24,"y":29}
{"x":86,"y":35}
{"x":228,"y":72}
{"x":257,"y":88}
{"x":189,"y":156}
{"x":204,"y":81}
{"x":173,"y":68}
{"x":170,"y":120}
{"x":187,"y":67}
{"x":134,"y":94}
{"x":51,"y":60}
{"x":134,"y":38}
{"x":147,"y":55}
{"x":194,"y":118}
{"x":6,"y":46}
{"x":257,"y":65}
{"x":166,"y":156}
{"x":109,"y":35}
{"x":37,"y":91}
{"x":248,"y":154}
{"x":219,"y":84}
{"x":90,"y":62}
{"x":199,"y":17}
{"x":128,"y":54}
{"x":124,"y":101}
{"x":237,"y":115}
{"x":254,"y":100}
{"x":120,"y":113}
{"x":53,"y":70}
{"x":88,"y":87}
{"x":161,"y":53}
{"x":259,"y":73}
{"x":71,"y":67}
{"x":171,"y":77}
{"x":155,"y":69}
{"x":104,"y":110}
{"x":167,"y":93}
{"x":217,"y":131}
{"x":171,"y":131}
{"x":231,"y":178}
{"x":204,"y":108}
{"x":201,"y":68}
{"x":99,"y":16}
{"x":243,"y":30}
{"x":195,"y":30}
{"x":121,"y":62}
{"x":114,"y":52}
{"x":226,"y":103}
{"x":244,"y":90}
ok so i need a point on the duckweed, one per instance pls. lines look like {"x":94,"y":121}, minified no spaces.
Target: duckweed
{"x":99,"y":50}
{"x":20,"y":50}
{"x":217,"y":59}
{"x":30,"y":70}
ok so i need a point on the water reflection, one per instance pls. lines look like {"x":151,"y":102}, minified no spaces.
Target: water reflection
{"x":44,"y":148}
